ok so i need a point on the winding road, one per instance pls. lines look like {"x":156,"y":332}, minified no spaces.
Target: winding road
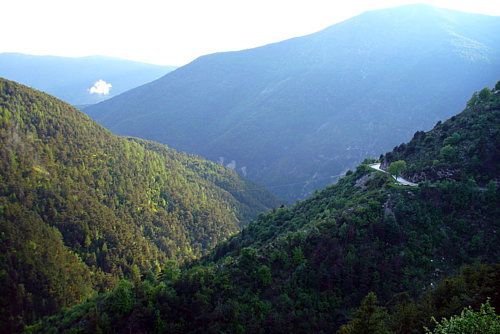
{"x":399,"y":180}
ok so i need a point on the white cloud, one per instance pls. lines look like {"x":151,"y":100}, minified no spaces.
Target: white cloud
{"x":100,"y":87}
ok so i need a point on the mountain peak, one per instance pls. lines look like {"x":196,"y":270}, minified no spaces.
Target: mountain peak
{"x":304,"y":110}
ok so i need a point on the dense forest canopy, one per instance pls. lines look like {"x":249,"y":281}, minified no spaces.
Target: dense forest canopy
{"x":365,"y":255}
{"x":81,"y":208}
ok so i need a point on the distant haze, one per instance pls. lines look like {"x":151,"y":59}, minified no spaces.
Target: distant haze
{"x":79,"y":81}
{"x":176,"y":32}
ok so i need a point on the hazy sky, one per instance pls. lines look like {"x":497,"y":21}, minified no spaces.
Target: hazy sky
{"x":174,"y":32}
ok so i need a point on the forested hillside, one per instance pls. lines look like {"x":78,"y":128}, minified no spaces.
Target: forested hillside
{"x":294,"y":115}
{"x":465,"y":147}
{"x":81,"y":208}
{"x":365,"y":253}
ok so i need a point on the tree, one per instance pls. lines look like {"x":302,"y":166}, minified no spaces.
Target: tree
{"x":369,"y":318}
{"x":122,"y":297}
{"x":485,"y":94}
{"x":449,"y":153}
{"x":170,"y":272}
{"x":497,"y":86}
{"x":485,"y":321}
{"x":397,"y":167}
{"x":248,"y":258}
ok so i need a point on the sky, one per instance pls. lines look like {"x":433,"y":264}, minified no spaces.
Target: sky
{"x":175,"y":32}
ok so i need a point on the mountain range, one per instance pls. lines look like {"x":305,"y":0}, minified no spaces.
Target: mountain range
{"x":365,"y":255}
{"x":108,"y":231}
{"x":81,"y":208}
{"x":79,"y":80}
{"x":295,"y":115}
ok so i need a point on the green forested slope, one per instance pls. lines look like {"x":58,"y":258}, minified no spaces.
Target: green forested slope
{"x":81,"y":208}
{"x":305,"y":269}
{"x":464,"y":147}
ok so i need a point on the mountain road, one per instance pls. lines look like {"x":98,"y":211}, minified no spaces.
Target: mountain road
{"x":399,"y":180}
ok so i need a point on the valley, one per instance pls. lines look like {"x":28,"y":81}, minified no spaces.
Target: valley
{"x":363,"y":255}
{"x":82,"y":208}
{"x":345,"y":181}
{"x":301,"y":110}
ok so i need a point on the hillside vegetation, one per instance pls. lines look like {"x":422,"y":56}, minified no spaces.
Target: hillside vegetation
{"x":81,"y":208}
{"x":362,"y":256}
{"x":463,"y":148}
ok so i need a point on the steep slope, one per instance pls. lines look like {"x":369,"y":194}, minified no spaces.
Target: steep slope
{"x":81,"y":208}
{"x":71,"y":78}
{"x":302,"y":111}
{"x":305,"y":269}
{"x":465,"y":147}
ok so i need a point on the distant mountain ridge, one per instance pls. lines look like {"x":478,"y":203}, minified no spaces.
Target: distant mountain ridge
{"x":70,"y":79}
{"x":305,"y":110}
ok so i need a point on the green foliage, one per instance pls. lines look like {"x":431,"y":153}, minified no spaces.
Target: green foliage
{"x":248,"y":257}
{"x":396,"y":168}
{"x":485,"y":94}
{"x":308,"y":267}
{"x":454,"y":139}
{"x":82,"y":208}
{"x":305,"y":268}
{"x":170,"y":272}
{"x":263,"y":275}
{"x":449,"y":153}
{"x":121,"y":300}
{"x":483,"y":321}
{"x":470,"y":288}
{"x":38,"y":274}
{"x":462,"y":148}
{"x":298,"y":256}
{"x":369,"y":318}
